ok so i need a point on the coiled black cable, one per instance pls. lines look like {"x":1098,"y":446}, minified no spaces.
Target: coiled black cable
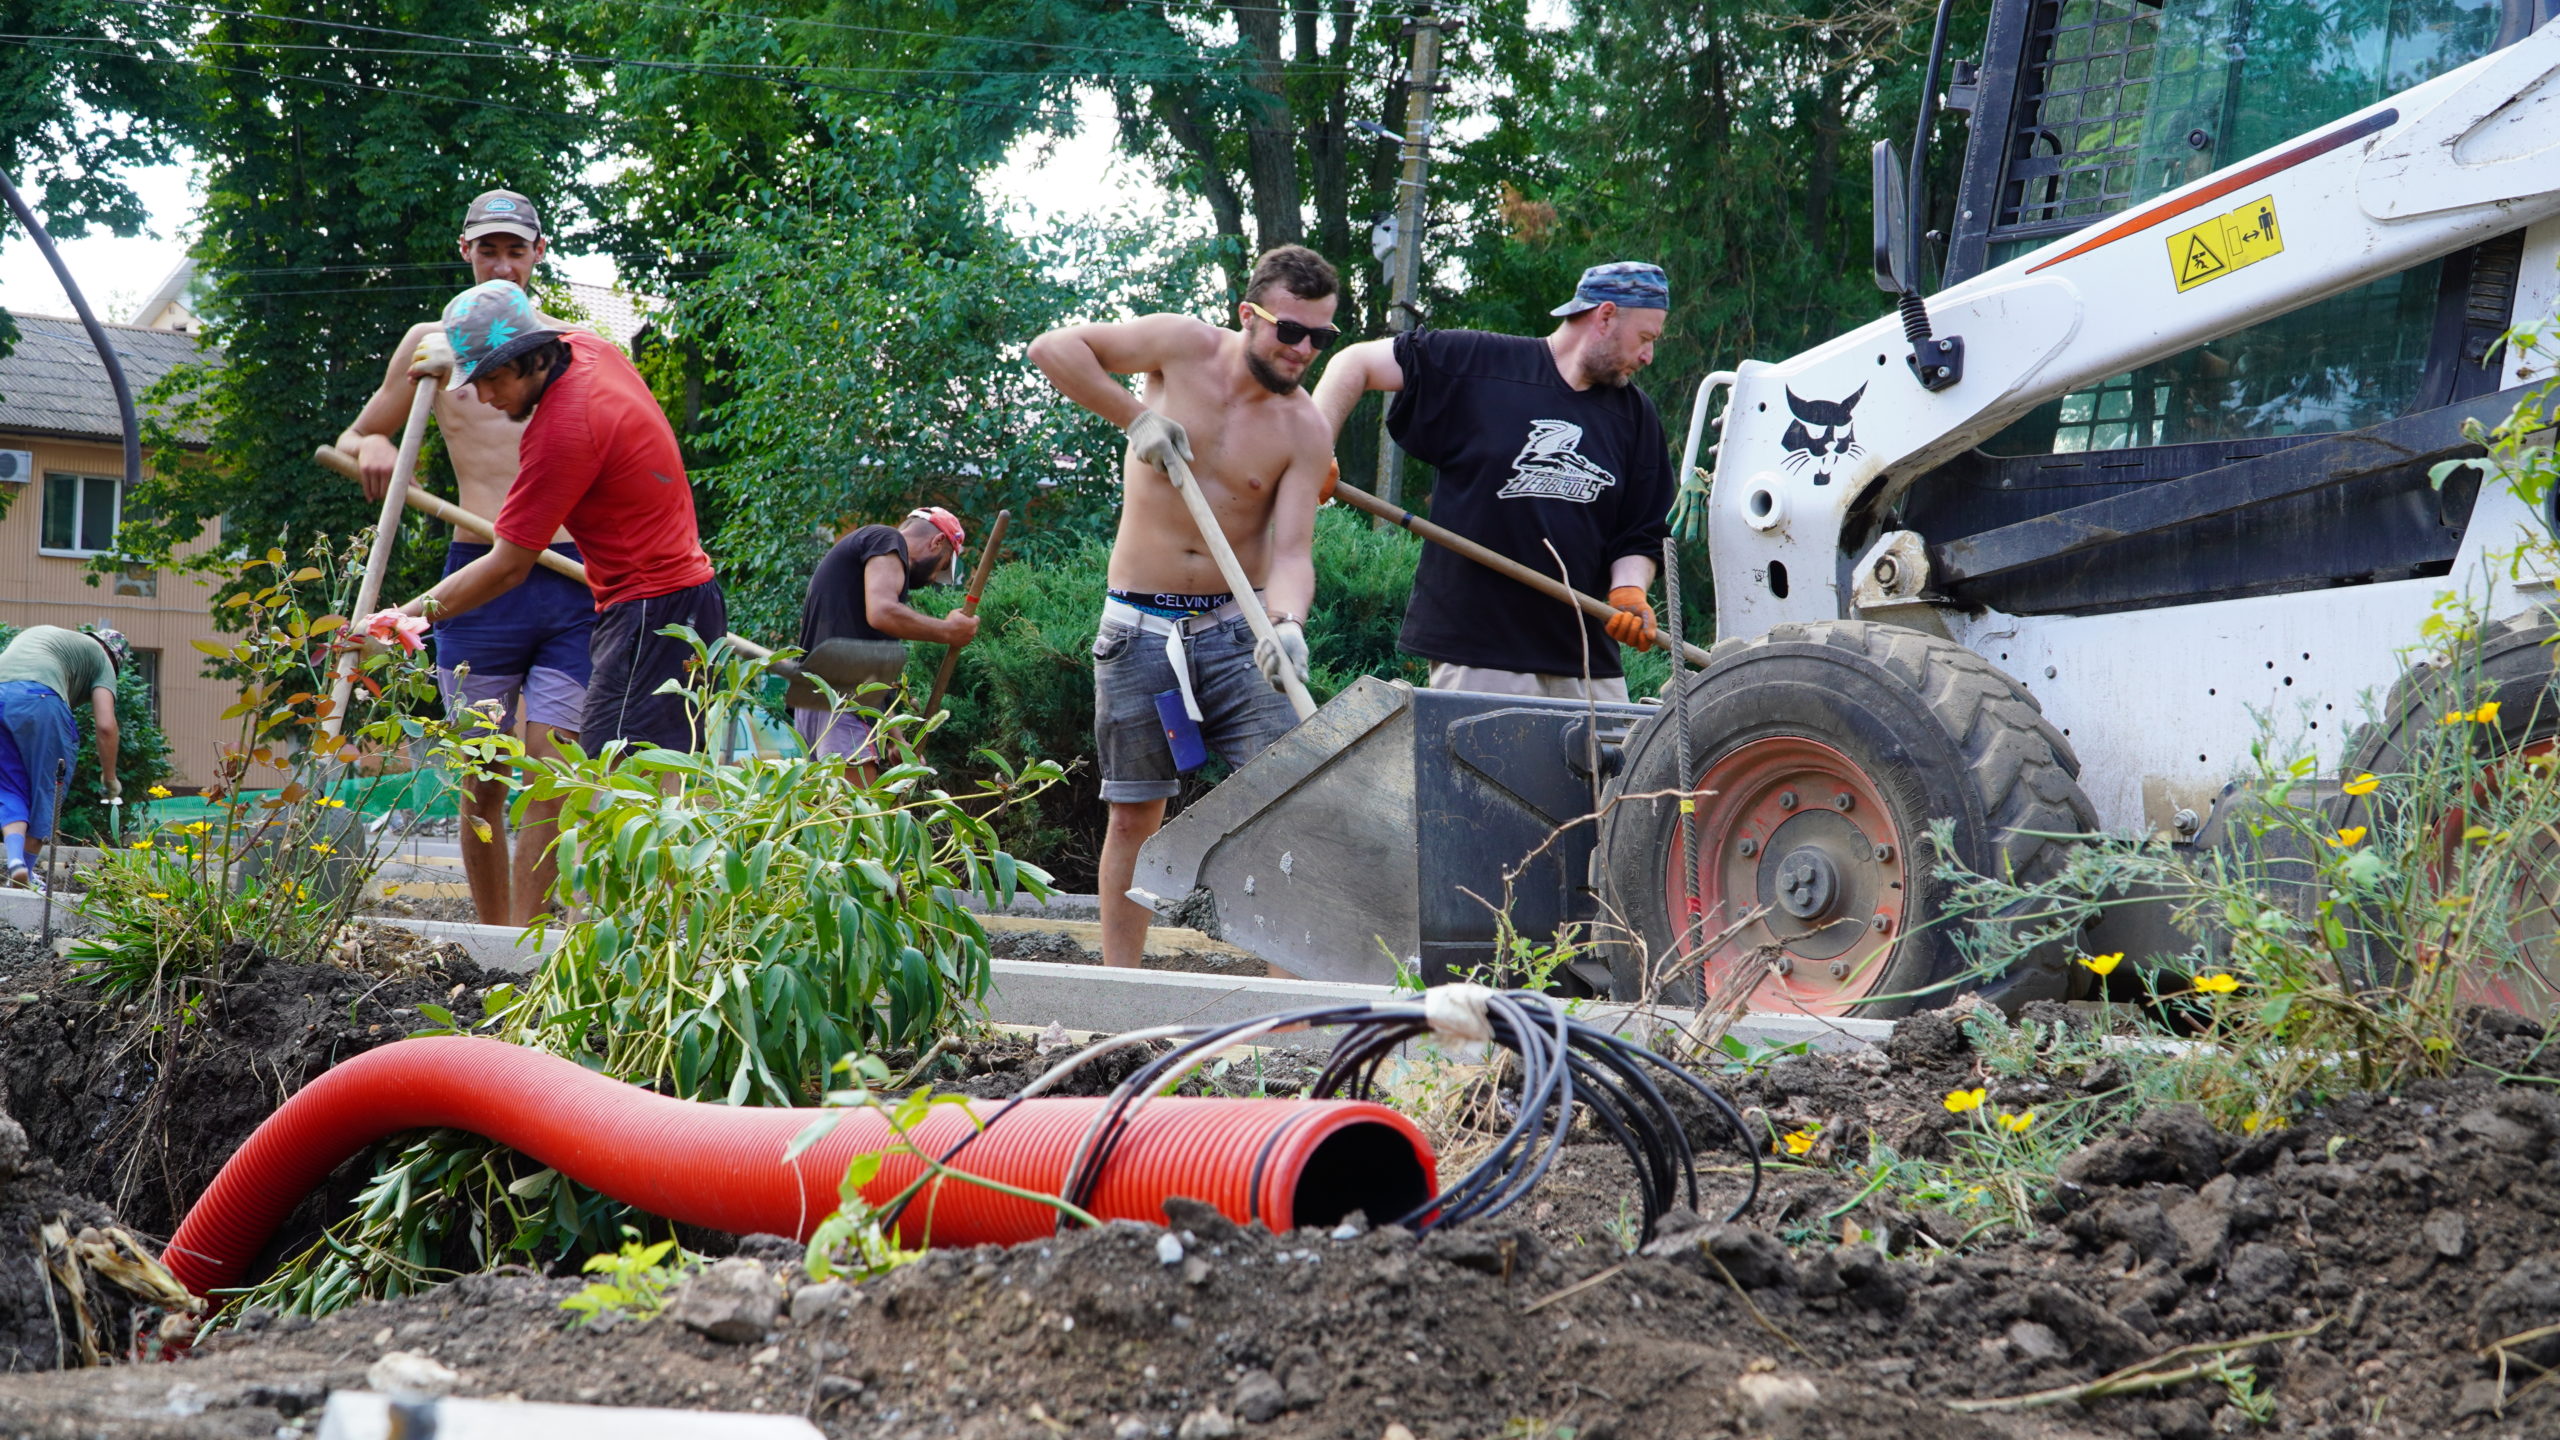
{"x":1566,"y":1066}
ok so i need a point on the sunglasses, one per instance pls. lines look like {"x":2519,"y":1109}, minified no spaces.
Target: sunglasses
{"x":1293,"y":333}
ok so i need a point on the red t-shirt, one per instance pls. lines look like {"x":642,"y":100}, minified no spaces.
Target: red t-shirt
{"x":599,"y":457}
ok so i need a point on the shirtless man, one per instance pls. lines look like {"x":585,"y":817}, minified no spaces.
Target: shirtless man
{"x":527,"y":653}
{"x":1230,"y":402}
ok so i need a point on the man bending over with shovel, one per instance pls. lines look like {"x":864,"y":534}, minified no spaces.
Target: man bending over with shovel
{"x":1174,"y":657}
{"x":857,"y":614}
{"x":525,"y":655}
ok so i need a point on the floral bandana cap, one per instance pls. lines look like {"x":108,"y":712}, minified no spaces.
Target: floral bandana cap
{"x":489,"y":324}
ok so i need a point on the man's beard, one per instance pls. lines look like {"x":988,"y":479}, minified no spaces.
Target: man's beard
{"x":1272,"y":380}
{"x":1617,"y":374}
{"x":921,"y":573}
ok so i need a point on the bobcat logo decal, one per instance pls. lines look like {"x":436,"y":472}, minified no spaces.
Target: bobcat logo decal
{"x":1551,"y":467}
{"x":1821,"y":436}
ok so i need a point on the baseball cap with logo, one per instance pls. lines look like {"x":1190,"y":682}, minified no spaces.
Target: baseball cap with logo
{"x":1630,"y":284}
{"x":489,"y":324}
{"x":501,"y":212}
{"x":946,"y":522}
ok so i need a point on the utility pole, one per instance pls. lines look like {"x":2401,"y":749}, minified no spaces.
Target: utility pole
{"x":1411,"y":213}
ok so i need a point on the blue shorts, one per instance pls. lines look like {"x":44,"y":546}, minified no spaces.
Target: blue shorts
{"x":531,"y":641}
{"x":36,"y":736}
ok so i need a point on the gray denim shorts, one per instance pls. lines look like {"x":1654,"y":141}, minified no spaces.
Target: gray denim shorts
{"x":1239,"y":711}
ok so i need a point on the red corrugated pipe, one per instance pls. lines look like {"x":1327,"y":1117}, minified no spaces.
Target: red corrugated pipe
{"x":1281,"y":1162}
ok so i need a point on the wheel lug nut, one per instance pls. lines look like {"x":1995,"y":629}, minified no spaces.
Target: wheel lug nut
{"x":1748,"y":848}
{"x":1843,"y":800}
{"x":1786,"y":799}
{"x":1839,"y":969}
{"x":1884,"y":852}
{"x":1783,"y":965}
{"x":1881,"y":924}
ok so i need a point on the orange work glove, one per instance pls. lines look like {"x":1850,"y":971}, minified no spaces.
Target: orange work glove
{"x":1633,"y":624}
{"x":1332,"y":477}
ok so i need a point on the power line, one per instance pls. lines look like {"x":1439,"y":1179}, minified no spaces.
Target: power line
{"x":44,"y":44}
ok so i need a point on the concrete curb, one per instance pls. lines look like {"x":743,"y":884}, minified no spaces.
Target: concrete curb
{"x":1089,"y":997}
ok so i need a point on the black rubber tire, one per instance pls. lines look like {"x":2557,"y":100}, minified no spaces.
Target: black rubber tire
{"x":2515,"y":661}
{"x":1940,"y":731}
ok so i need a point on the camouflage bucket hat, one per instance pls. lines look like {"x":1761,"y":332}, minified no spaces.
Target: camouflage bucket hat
{"x":119,"y":650}
{"x":490,"y":324}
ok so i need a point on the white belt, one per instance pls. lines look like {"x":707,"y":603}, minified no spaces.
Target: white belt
{"x":1121,"y":612}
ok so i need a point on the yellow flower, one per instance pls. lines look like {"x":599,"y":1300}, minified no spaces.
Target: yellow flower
{"x":2217,"y":983}
{"x":335,"y":804}
{"x":2255,"y":1120}
{"x":142,"y":844}
{"x":2487,"y":714}
{"x":159,"y":894}
{"x":1959,"y":1101}
{"x":2348,"y":838}
{"x":323,"y":847}
{"x":1799,"y":1141}
{"x":2103,"y":964}
{"x":201,"y":827}
{"x":2364,"y":784}
{"x":2016,"y":1124}
{"x":158,"y":792}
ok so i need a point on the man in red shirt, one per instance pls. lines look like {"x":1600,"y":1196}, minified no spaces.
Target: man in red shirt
{"x":598,"y":457}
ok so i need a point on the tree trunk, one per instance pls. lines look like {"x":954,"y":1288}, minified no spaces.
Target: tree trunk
{"x":1180,"y":114}
{"x":1329,"y":139}
{"x":1270,"y":138}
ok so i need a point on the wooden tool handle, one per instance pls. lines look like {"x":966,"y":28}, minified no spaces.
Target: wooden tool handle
{"x":1179,"y":472}
{"x":1502,"y":565}
{"x":330,"y":457}
{"x":386,"y":530}
{"x":969,"y":605}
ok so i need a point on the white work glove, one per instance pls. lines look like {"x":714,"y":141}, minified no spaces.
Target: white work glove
{"x":434,"y":357}
{"x":1156,"y":439}
{"x":114,"y":787}
{"x":1291,"y":650}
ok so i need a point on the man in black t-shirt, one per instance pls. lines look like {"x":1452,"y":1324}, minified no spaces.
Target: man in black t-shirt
{"x":859,"y":592}
{"x":1538,"y":442}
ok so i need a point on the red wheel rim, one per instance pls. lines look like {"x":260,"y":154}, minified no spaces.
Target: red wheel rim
{"x":1797,"y":831}
{"x":2532,"y":987}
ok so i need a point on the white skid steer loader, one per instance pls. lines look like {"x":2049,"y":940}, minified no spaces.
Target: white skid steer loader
{"x":2040,"y":555}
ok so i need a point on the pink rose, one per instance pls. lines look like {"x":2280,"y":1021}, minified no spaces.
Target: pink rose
{"x":390,"y":627}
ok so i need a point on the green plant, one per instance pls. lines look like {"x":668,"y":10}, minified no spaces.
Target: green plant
{"x":746,"y":925}
{"x":636,"y":1279}
{"x":276,"y":876}
{"x":859,"y":1238}
{"x":142,"y":763}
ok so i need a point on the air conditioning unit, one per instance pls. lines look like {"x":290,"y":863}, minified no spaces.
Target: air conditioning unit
{"x":17,"y":467}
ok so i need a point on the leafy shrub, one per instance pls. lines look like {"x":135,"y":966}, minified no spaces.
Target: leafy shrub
{"x":142,"y":761}
{"x":749,"y":924}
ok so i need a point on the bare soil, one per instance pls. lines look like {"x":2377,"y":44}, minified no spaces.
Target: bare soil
{"x":2410,"y":1230}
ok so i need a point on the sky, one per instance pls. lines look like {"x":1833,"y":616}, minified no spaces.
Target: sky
{"x":1072,"y":178}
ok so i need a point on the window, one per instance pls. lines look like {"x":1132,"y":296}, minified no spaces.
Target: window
{"x":80,"y":513}
{"x":2349,"y":361}
{"x":146,"y":663}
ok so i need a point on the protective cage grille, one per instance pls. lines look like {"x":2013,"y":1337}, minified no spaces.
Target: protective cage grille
{"x":2078,"y":125}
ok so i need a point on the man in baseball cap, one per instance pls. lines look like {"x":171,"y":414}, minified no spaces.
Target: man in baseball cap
{"x":859,"y":593}
{"x":523,"y":656}
{"x":501,"y":212}
{"x":1537,"y":440}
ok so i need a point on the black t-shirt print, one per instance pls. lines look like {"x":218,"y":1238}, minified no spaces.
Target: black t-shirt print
{"x":835,"y":608}
{"x":1524,"y":459}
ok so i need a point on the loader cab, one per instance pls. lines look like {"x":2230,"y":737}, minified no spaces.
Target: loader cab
{"x":2084,"y":108}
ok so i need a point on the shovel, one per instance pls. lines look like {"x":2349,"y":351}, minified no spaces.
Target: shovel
{"x":1178,"y":470}
{"x":386,"y":529}
{"x":969,"y":606}
{"x":330,"y":457}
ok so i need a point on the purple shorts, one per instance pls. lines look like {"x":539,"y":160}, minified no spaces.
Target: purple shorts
{"x":845,"y":736}
{"x":548,"y":697}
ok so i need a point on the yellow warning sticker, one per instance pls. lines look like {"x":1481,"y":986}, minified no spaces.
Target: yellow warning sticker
{"x":2225,"y":243}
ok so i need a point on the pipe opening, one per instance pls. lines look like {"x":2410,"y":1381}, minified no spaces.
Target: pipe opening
{"x":1370,"y":1167}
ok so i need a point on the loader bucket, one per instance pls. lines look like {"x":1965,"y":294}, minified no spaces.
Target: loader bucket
{"x":1380,"y":833}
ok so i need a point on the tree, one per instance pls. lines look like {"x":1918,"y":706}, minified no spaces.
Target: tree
{"x":343,"y":141}
{"x":91,"y":87}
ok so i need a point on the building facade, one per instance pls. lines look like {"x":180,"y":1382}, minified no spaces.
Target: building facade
{"x":61,"y":501}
